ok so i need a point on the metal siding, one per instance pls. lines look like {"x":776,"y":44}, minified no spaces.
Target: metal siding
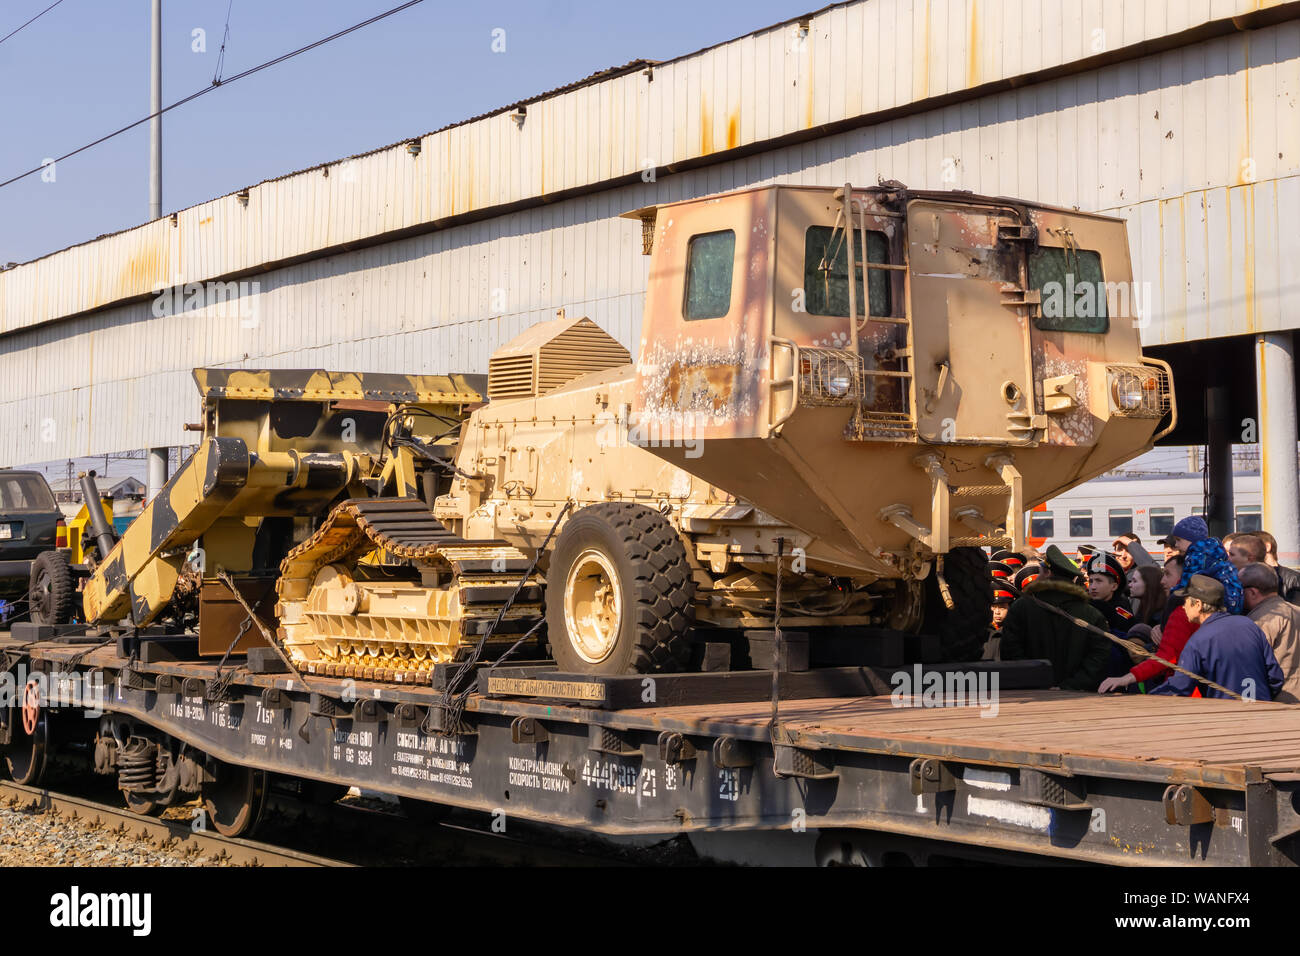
{"x":1214,"y":246}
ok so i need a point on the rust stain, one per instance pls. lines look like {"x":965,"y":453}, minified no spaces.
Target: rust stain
{"x":925,"y":59}
{"x":695,"y":386}
{"x":973,"y":46}
{"x":733,"y":130}
{"x":706,"y":128}
{"x":1248,"y":264}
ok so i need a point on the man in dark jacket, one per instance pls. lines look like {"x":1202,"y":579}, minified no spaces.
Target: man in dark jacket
{"x":1034,"y":632}
{"x":1288,"y":579}
{"x":1228,"y":649}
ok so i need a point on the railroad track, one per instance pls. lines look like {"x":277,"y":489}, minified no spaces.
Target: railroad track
{"x":370,"y":837}
{"x":174,"y":835}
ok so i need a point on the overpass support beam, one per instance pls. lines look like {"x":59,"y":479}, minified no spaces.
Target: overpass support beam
{"x":1218,"y":455}
{"x":1279,"y":474}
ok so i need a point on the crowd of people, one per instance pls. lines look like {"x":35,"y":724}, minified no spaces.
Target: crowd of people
{"x":1224,"y":610}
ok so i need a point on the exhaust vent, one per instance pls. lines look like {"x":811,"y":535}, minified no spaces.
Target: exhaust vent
{"x":551,"y":355}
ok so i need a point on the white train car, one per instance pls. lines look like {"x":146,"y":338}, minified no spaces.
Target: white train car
{"x":1097,"y":511}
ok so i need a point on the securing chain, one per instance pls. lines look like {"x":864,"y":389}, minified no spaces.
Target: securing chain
{"x":459,"y":686}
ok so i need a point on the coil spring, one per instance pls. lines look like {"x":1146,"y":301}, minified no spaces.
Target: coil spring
{"x":137,"y":765}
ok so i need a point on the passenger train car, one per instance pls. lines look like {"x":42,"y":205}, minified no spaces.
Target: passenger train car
{"x":1098,"y":511}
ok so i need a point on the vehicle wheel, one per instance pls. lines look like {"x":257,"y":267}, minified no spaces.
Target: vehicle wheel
{"x":28,"y":749}
{"x":236,"y":801}
{"x":619,"y":593}
{"x":963,"y":628}
{"x":51,"y":592}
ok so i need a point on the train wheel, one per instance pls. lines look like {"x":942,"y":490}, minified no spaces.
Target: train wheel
{"x":29,"y":744}
{"x":236,"y":801}
{"x":137,"y":804}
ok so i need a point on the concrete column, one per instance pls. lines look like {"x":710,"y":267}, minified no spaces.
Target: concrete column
{"x":1279,"y":475}
{"x":1218,"y":453}
{"x":157,"y":470}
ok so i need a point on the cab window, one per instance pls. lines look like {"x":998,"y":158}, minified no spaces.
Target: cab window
{"x":826,"y":290}
{"x":1072,"y":288}
{"x":710,"y":258}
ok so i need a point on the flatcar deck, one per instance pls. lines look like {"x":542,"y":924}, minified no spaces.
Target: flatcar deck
{"x":1081,"y":777}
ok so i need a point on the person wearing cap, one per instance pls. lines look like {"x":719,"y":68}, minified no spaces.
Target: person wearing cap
{"x":1228,"y":649}
{"x":1185,"y":534}
{"x":1280,"y":622}
{"x":1026,"y":575}
{"x":1012,"y":559}
{"x":1206,"y":555}
{"x":1106,"y":587}
{"x":1032,"y":631}
{"x":1004,"y":595}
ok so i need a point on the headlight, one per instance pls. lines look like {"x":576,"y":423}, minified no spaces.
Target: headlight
{"x":838,"y":384}
{"x":1127,"y":390}
{"x":1138,"y":391}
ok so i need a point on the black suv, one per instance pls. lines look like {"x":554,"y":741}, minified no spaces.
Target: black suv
{"x":29,"y":525}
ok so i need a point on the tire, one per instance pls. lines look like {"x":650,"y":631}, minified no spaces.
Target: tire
{"x":50,"y":596}
{"x":963,"y":628}
{"x":634,"y":552}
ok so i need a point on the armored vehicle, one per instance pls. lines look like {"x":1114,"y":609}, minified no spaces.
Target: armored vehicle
{"x":840,"y":395}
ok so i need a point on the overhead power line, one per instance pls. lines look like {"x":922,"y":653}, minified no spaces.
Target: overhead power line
{"x":31,"y":21}
{"x":208,"y":89}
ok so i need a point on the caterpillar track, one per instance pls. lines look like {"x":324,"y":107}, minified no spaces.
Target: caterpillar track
{"x":341,"y":617}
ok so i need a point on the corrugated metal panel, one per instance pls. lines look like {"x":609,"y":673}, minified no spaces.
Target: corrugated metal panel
{"x":1152,"y":140}
{"x":768,"y":84}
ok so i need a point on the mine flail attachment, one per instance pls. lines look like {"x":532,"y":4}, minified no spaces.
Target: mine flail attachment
{"x":345,"y":613}
{"x":621,"y":595}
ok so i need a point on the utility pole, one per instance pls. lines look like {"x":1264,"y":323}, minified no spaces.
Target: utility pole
{"x":155,"y":124}
{"x":157,"y":456}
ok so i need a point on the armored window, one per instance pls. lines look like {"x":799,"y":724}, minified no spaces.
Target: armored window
{"x":826,"y":275}
{"x":1080,"y":523}
{"x":1072,"y":288}
{"x":1041,"y":524}
{"x":710,"y":259}
{"x":1248,"y":518}
{"x":1162,"y":521}
{"x":1121,"y":521}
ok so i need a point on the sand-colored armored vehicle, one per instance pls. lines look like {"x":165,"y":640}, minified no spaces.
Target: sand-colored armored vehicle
{"x":873,"y":425}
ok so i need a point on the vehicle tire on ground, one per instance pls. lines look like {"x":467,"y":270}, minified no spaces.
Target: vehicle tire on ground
{"x":52,"y":590}
{"x":963,"y":628}
{"x":620,"y":597}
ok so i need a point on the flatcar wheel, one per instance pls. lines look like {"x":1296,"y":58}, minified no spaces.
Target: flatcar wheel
{"x":137,"y":804}
{"x":236,"y":801}
{"x":29,"y":744}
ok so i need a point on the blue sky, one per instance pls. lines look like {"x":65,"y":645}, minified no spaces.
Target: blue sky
{"x":82,"y":70}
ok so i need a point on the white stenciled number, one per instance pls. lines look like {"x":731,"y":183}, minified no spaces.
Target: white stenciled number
{"x":728,"y":785}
